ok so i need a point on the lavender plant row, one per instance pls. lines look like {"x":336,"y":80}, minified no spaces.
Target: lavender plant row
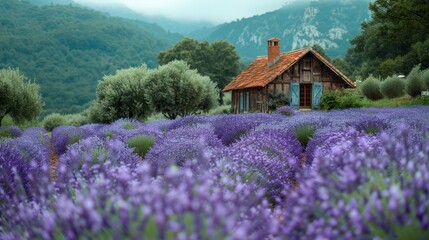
{"x":364,"y":174}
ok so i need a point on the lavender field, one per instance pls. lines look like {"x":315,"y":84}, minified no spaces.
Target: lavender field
{"x":350,"y":174}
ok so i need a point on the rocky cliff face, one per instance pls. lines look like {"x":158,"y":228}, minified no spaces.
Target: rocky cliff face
{"x":330,"y":24}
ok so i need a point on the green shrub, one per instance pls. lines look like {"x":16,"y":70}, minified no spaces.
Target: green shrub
{"x":53,"y":120}
{"x":330,"y":100}
{"x":425,"y":78}
{"x":277,"y":99}
{"x":392,"y":87}
{"x":422,"y":100}
{"x":76,"y":120}
{"x":129,"y":126}
{"x":350,"y":99}
{"x":10,"y":132}
{"x":141,"y":144}
{"x":414,"y":84}
{"x":370,"y":88}
{"x":154,"y":116}
{"x":7,"y":121}
{"x":227,"y":98}
{"x":304,"y":133}
{"x":343,"y":99}
{"x":108,"y":134}
{"x":220,"y":110}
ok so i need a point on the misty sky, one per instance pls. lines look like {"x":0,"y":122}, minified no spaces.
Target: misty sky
{"x":215,"y":11}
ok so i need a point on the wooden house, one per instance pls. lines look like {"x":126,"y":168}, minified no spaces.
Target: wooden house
{"x":303,"y":75}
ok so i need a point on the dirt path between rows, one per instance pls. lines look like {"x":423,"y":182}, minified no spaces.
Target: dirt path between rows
{"x":53,"y":160}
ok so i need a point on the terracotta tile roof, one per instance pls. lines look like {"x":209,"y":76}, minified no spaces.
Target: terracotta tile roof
{"x":258,"y":74}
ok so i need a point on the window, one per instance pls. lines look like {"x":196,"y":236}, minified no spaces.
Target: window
{"x":241,"y":103}
{"x":247,"y":97}
{"x":244,"y":102}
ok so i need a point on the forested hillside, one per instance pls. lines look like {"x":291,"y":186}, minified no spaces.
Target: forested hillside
{"x":67,"y":49}
{"x":45,"y":2}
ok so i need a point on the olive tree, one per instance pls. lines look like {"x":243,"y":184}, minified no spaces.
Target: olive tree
{"x":176,"y":90}
{"x":19,"y":98}
{"x":392,"y":87}
{"x":121,"y":95}
{"x":425,"y":78}
{"x":217,"y":60}
{"x":371,"y":88}
{"x":414,"y":85}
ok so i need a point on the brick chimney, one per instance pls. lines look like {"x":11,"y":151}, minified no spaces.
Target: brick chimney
{"x":273,"y":51}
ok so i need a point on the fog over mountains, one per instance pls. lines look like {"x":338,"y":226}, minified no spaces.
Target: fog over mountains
{"x":328,"y":23}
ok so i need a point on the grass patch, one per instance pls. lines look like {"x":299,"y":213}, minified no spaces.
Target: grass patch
{"x":304,"y":133}
{"x":129,"y":126}
{"x":154,"y":116}
{"x":220,"y":110}
{"x":141,"y":144}
{"x":403,"y":101}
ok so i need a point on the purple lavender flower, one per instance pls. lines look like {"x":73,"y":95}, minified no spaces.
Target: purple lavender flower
{"x":25,"y":166}
{"x":179,"y":205}
{"x":188,"y":121}
{"x":286,"y":110}
{"x":124,"y":129}
{"x":354,"y":185}
{"x":266,"y":157}
{"x":370,"y":125}
{"x":230,"y":128}
{"x":180,"y":146}
{"x":66,"y":135}
{"x":92,"y":157}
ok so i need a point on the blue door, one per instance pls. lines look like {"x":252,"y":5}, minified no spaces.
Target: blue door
{"x":294,"y":95}
{"x":317,"y":94}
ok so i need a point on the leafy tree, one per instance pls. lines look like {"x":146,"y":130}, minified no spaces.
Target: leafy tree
{"x":343,"y":66}
{"x":414,"y":85}
{"x":217,"y":60}
{"x":122,"y":96}
{"x":225,"y":64}
{"x":406,"y":18}
{"x":321,"y":51}
{"x":190,"y":51}
{"x":392,"y":87}
{"x":394,"y":40}
{"x":176,"y":90}
{"x":371,"y":88}
{"x":19,"y":97}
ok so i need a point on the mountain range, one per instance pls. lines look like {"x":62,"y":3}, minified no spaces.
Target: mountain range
{"x":329,"y":24}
